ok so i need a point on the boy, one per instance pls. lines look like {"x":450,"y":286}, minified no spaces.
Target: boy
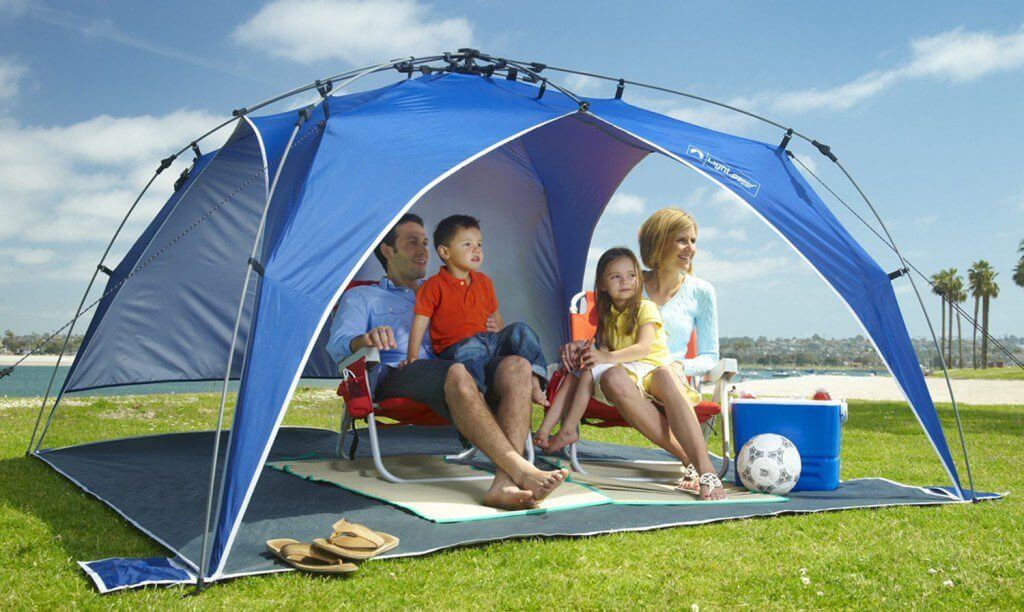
{"x":455,"y":304}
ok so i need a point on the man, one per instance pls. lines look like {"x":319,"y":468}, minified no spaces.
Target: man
{"x":380,"y":316}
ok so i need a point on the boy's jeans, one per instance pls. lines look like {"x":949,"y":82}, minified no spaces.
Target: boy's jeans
{"x":481,"y":353}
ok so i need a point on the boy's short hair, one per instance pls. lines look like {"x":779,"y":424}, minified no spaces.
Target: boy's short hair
{"x":392,"y":236}
{"x":449,"y":226}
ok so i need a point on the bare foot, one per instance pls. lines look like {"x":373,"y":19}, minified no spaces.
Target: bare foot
{"x":541,"y":484}
{"x":542,"y":439}
{"x":563,"y":438}
{"x":508,"y":497}
{"x":538,"y":396}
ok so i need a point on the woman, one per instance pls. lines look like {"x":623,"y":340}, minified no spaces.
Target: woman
{"x":668,"y":245}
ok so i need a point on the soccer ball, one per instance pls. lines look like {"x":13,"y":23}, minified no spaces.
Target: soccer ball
{"x":769,"y":463}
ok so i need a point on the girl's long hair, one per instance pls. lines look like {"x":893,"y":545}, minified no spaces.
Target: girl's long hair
{"x":631,"y":312}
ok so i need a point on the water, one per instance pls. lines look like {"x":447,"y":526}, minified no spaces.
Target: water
{"x":31,"y":381}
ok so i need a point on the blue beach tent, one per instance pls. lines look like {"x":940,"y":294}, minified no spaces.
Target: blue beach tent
{"x":316,"y":191}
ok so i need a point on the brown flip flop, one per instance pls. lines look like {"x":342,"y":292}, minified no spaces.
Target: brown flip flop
{"x":354,"y":541}
{"x":302,"y":556}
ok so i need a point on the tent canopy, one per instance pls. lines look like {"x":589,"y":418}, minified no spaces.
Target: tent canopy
{"x":537,"y":171}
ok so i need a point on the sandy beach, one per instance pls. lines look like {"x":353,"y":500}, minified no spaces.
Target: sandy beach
{"x":885,"y":388}
{"x":35,"y":360}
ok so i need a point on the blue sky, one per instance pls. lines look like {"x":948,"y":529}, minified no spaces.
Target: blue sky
{"x":922,"y":101}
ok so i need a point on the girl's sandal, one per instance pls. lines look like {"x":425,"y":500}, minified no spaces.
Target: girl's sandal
{"x":689,"y":482}
{"x":712,"y":482}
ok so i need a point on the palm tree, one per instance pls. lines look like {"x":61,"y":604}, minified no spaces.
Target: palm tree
{"x":974,"y":276}
{"x":1018,"y":272}
{"x":990,"y":290}
{"x":951,"y":279}
{"x":939,"y":288}
{"x":957,"y":295}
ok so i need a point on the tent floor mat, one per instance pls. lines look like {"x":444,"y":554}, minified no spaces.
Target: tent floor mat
{"x":158,"y":483}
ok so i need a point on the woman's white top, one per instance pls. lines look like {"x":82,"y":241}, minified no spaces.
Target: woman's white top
{"x":692,"y":307}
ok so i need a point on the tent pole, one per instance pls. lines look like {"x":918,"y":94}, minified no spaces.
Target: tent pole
{"x":942,"y":361}
{"x":78,"y":313}
{"x":304,"y":114}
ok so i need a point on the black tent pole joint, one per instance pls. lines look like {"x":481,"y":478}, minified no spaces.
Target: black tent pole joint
{"x":825,"y":150}
{"x":898,"y":273}
{"x":102,"y":268}
{"x":6,"y":371}
{"x":543,"y":88}
{"x":166,"y":162}
{"x":620,"y":88}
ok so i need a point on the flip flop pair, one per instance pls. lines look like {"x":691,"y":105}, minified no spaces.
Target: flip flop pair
{"x":355,"y":542}
{"x":304,"y":557}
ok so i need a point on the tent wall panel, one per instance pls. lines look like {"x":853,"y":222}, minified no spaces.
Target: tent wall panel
{"x":172,"y":321}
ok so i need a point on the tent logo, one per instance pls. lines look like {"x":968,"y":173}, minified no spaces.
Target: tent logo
{"x":737,"y":177}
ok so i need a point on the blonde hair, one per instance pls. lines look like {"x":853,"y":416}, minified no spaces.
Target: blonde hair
{"x":658,"y":229}
{"x":605,"y":321}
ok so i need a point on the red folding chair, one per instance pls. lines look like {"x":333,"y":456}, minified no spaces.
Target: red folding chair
{"x":359,"y":405}
{"x":583,"y":326}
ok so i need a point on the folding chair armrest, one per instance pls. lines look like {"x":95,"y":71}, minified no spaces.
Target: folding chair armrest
{"x":725,"y":368}
{"x":371,"y":354}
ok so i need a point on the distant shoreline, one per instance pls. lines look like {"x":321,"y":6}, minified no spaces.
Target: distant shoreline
{"x":36,"y":360}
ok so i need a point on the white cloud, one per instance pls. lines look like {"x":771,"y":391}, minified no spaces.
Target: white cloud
{"x":626,"y":204}
{"x":354,"y":31}
{"x":926,"y":220}
{"x":28,"y":257}
{"x":806,"y":161}
{"x":737,"y":269}
{"x":583,"y":85}
{"x":10,"y":76}
{"x":65,"y":182}
{"x":957,"y":56}
{"x":964,"y":56}
{"x":842,"y":97}
{"x":710,"y":232}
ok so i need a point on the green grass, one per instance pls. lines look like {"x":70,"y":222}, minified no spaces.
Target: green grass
{"x":853,"y":559}
{"x":1010,"y":373}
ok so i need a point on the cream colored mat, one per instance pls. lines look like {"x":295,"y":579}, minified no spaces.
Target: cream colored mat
{"x":441,"y":502}
{"x":605,"y":476}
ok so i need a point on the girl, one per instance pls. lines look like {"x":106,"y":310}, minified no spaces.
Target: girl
{"x":629,"y":336}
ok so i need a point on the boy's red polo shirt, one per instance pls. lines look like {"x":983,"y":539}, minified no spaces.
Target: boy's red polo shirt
{"x":457,"y":309}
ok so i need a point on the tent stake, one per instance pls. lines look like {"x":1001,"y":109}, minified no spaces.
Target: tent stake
{"x":935,"y":340}
{"x":304,"y":114}
{"x":78,"y":313}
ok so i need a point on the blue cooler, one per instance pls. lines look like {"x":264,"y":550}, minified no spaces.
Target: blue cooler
{"x":812,"y":425}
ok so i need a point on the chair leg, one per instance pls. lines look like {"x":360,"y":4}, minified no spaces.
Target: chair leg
{"x":346,"y":424}
{"x":574,"y":460}
{"x":463,"y":456}
{"x":378,"y":461}
{"x":530,"y":455}
{"x":727,"y":450}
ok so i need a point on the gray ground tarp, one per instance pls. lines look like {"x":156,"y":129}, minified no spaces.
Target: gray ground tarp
{"x":159,"y":484}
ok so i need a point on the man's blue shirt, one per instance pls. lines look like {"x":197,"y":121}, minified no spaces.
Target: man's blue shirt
{"x":367,"y":306}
